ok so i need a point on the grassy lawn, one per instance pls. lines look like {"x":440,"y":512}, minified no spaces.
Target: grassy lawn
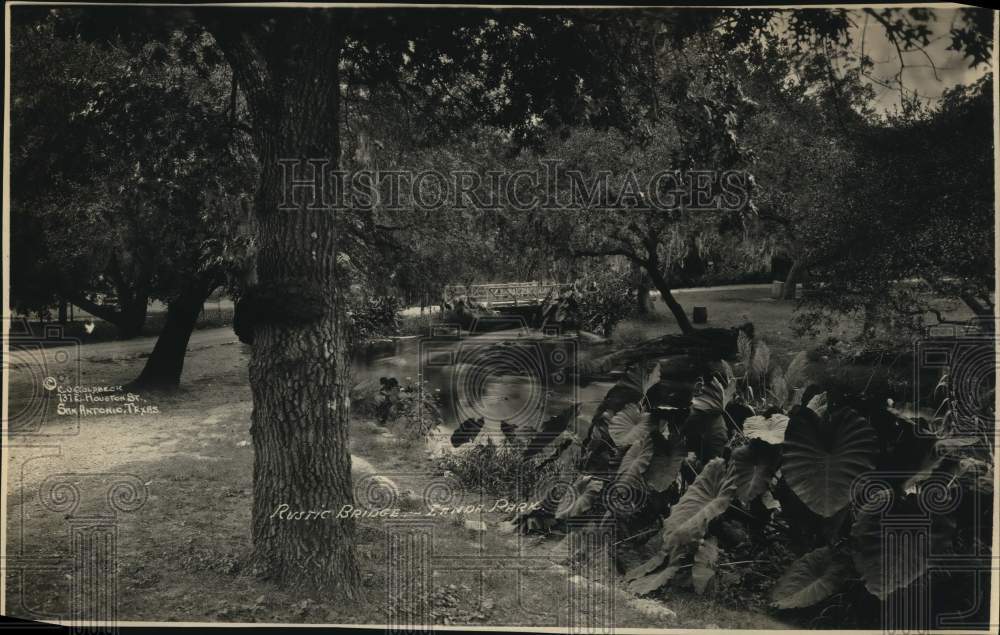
{"x":179,"y":554}
{"x":773,"y":324}
{"x":772,"y":319}
{"x":214,"y":314}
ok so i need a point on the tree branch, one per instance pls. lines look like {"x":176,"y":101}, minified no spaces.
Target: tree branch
{"x":97,"y":310}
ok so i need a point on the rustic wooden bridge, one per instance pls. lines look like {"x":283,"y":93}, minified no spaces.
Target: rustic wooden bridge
{"x":505,"y":294}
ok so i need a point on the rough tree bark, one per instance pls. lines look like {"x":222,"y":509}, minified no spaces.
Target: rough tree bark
{"x":164,"y":366}
{"x":299,"y":368}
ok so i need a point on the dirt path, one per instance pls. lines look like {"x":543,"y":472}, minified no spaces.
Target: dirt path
{"x":214,"y":388}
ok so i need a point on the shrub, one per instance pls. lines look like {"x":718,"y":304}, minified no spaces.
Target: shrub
{"x":365,"y":399}
{"x":603,"y":303}
{"x":375,"y":317}
{"x":499,"y":469}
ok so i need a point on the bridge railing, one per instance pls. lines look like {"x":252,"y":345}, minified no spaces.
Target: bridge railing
{"x":505,"y":293}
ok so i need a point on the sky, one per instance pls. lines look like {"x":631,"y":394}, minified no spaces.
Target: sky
{"x":918,"y":75}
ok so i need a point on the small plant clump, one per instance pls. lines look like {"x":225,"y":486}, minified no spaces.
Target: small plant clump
{"x":411,"y":410}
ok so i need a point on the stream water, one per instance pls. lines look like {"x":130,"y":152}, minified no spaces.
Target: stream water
{"x":519,"y":376}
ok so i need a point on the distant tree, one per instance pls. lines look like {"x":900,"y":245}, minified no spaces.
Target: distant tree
{"x":800,"y":141}
{"x":126,"y":176}
{"x":60,"y":256}
{"x":653,"y":182}
{"x":917,"y":223}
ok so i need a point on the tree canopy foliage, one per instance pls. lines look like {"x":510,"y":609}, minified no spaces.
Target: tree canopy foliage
{"x":128,"y":178}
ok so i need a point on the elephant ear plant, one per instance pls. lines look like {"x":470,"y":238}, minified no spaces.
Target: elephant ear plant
{"x":689,"y":465}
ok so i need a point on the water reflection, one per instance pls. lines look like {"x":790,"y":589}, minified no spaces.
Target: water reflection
{"x":519,"y":376}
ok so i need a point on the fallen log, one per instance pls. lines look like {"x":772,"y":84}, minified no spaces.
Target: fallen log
{"x":706,"y":344}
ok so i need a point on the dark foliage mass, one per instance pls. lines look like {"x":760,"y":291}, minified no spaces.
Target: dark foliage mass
{"x":717,"y":461}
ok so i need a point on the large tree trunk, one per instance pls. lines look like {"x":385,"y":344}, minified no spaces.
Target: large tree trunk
{"x":132,"y":316}
{"x":133,"y":297}
{"x":164,"y":366}
{"x":676,"y":309}
{"x":299,"y":367}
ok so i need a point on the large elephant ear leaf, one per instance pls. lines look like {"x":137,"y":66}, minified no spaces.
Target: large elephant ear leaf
{"x":668,"y":456}
{"x":620,"y":395}
{"x":646,"y":567}
{"x":653,"y":581}
{"x":705,"y":499}
{"x":710,"y":428}
{"x":580,"y":498}
{"x":657,"y":571}
{"x":639,"y":377}
{"x":466,"y":432}
{"x":818,"y":404}
{"x":625,"y":496}
{"x":706,"y":417}
{"x":635,"y":461}
{"x":823,"y":457}
{"x":712,"y":398}
{"x":629,"y":426}
{"x":770,"y":430}
{"x":878,"y":559}
{"x":754,"y":466}
{"x":810,"y":579}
